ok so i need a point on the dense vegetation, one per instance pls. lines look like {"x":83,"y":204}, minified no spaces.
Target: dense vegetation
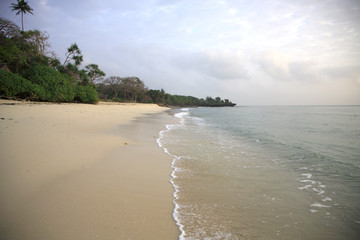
{"x":163,"y":98}
{"x":29,"y":70}
{"x":132,"y":89}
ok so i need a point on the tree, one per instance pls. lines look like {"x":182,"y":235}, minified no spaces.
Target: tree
{"x":8,"y":29}
{"x":210,"y":101}
{"x":157,"y":96}
{"x":39,"y":40}
{"x":218,"y":100}
{"x":133,"y":87}
{"x":10,"y":53}
{"x":114,"y":83}
{"x":19,"y":50}
{"x":73,"y":53}
{"x":72,"y":63}
{"x":21,"y":7}
{"x":94,"y":73}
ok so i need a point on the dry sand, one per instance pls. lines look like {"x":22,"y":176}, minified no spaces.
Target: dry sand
{"x":78,"y":171}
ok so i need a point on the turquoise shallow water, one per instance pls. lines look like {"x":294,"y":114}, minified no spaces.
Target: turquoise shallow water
{"x":266,"y":172}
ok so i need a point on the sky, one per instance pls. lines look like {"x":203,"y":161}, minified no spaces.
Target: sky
{"x":253,"y":52}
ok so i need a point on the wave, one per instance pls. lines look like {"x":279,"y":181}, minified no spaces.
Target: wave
{"x":169,"y":127}
{"x":214,"y":150}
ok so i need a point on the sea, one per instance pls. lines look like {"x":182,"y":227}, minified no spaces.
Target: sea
{"x":265,"y":172}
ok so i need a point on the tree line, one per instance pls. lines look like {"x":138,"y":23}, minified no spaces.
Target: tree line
{"x":132,"y":89}
{"x":162,"y":98}
{"x":30,"y":70}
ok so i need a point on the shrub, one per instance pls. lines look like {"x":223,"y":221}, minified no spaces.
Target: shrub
{"x":86,"y":94}
{"x":12,"y":85}
{"x":57,"y":87}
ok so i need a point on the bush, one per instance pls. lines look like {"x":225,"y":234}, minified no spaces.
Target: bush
{"x":12,"y":55}
{"x":86,"y":94}
{"x":57,"y":87}
{"x":12,"y":85}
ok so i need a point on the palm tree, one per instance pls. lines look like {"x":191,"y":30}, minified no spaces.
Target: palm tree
{"x":21,"y":7}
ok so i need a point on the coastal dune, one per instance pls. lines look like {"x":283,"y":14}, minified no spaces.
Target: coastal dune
{"x":79,"y":171}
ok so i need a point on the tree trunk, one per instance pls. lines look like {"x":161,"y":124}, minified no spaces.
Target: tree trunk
{"x":22,"y":21}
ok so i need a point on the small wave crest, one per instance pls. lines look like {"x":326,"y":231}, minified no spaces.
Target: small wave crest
{"x":311,"y":185}
{"x":319,"y":205}
{"x":181,"y":115}
{"x":160,"y":141}
{"x":185,"y":116}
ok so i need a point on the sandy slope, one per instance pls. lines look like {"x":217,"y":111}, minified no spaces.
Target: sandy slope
{"x":78,"y":171}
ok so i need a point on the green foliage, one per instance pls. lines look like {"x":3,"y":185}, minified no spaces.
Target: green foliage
{"x":20,"y":50}
{"x":38,"y":41}
{"x":40,"y":59}
{"x":11,"y":54}
{"x":12,"y":85}
{"x":86,"y":94}
{"x":157,"y":96}
{"x":57,"y":87}
{"x":21,"y":7}
{"x":73,"y":53}
{"x":94,"y":73}
{"x":133,"y":89}
{"x":162,"y":98}
{"x":39,"y":76}
{"x":128,"y":89}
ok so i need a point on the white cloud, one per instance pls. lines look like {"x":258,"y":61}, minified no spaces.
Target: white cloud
{"x":232,"y":11}
{"x":220,"y":65}
{"x":274,"y":64}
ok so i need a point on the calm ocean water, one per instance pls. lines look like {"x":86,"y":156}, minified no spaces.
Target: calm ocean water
{"x":266,"y":172}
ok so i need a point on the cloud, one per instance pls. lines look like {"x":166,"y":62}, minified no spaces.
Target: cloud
{"x":222,"y":65}
{"x":274,"y":64}
{"x":306,"y":71}
{"x":283,"y":67}
{"x":310,"y":71}
{"x":343,"y":73}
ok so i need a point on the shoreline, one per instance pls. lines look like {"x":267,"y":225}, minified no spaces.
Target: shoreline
{"x":78,"y":171}
{"x":173,"y":175}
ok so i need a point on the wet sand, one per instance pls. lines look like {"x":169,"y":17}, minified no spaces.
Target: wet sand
{"x":79,"y":171}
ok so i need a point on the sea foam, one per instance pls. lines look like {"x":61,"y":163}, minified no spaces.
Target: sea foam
{"x":169,"y":127}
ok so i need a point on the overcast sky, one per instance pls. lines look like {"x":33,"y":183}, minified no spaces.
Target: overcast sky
{"x":254,"y":52}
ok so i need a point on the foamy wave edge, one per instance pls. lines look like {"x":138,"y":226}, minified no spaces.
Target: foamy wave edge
{"x":176,"y":214}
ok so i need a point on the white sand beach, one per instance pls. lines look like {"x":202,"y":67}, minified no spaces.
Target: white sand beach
{"x":81,"y":171}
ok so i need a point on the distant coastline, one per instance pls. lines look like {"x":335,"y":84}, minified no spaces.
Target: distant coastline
{"x":29,"y":72}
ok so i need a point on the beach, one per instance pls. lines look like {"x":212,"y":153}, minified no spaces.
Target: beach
{"x":81,"y":171}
